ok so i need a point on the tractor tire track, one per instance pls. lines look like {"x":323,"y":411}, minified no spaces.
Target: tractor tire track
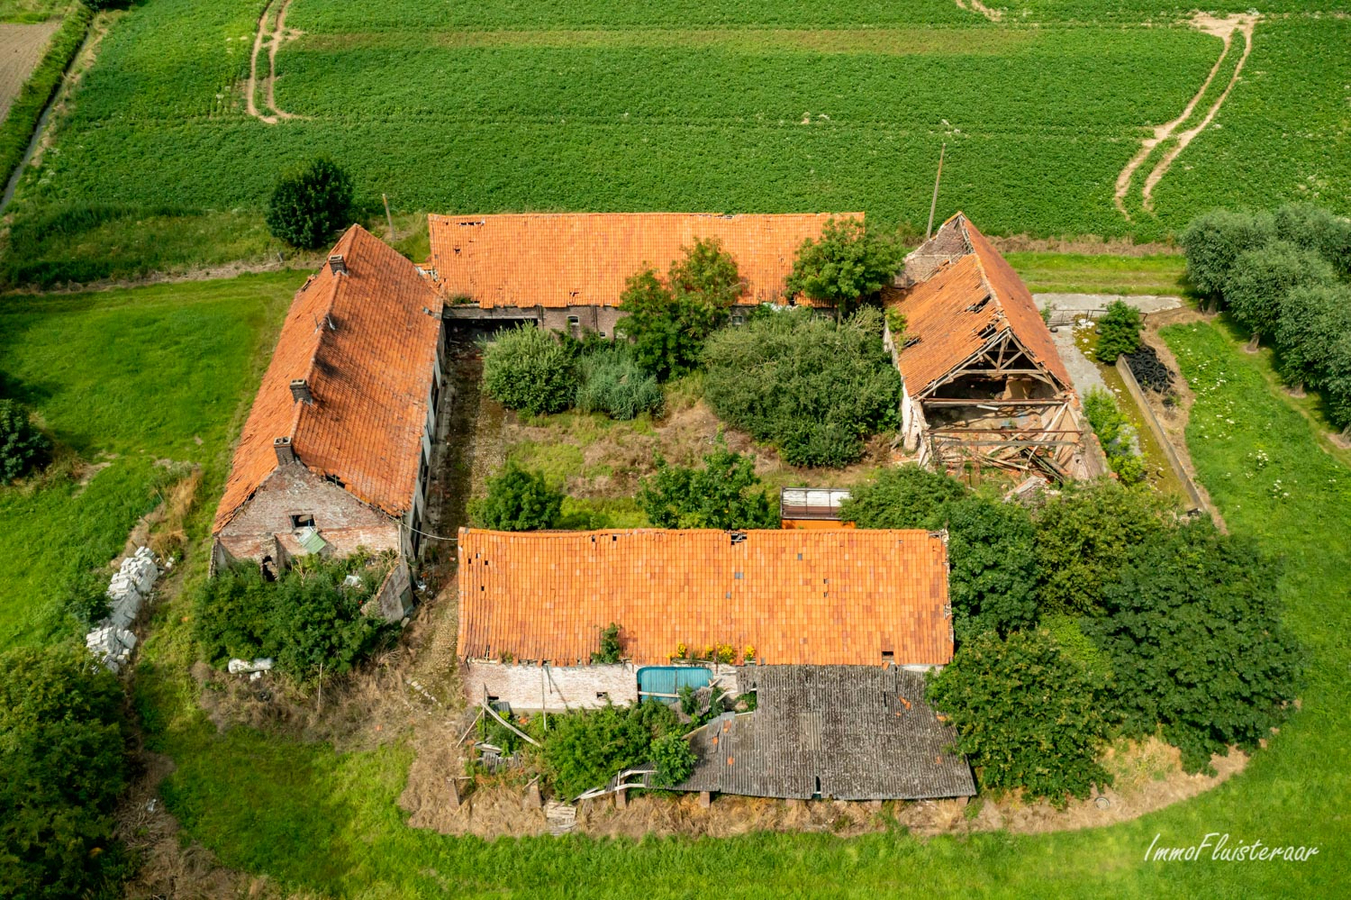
{"x":1223,"y":29}
{"x":271,"y":33}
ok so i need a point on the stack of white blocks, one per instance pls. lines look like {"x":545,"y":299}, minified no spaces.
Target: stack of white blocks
{"x":111,"y":641}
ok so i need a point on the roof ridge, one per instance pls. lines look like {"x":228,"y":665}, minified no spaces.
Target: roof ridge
{"x":339,"y":249}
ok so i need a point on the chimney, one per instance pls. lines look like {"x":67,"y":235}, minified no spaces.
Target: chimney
{"x":285,"y":453}
{"x":300,"y":391}
{"x":335,"y":262}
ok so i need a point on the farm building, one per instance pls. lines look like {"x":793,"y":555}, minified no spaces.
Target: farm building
{"x":533,"y":607}
{"x":336,"y":450}
{"x":566,"y":271}
{"x":834,"y":732}
{"x":984,"y":384}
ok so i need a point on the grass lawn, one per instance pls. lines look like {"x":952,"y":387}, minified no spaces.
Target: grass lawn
{"x":123,"y":378}
{"x":1081,"y":273}
{"x":320,"y":820}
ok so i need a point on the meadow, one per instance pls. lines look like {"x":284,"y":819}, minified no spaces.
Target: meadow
{"x":718,"y":106}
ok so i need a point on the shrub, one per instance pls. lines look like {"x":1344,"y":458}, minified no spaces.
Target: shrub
{"x":1259,"y":281}
{"x":310,"y":204}
{"x":526,"y":368}
{"x":992,"y":552}
{"x":707,"y":274}
{"x":1084,"y":537}
{"x":906,"y":496}
{"x":1214,"y":240}
{"x":518,"y":500}
{"x":1116,"y":434}
{"x":306,"y":618}
{"x":725,"y":494}
{"x":1193,"y":629}
{"x":1118,"y":332}
{"x":63,"y":763}
{"x":611,"y":649}
{"x":1026,"y":716}
{"x":612,"y":382}
{"x":585,"y":749}
{"x":813,"y":387}
{"x":673,"y":758}
{"x":846,"y":264}
{"x":22,"y":446}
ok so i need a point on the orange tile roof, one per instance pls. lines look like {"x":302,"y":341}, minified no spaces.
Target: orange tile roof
{"x":367,"y":350}
{"x":815,"y":597}
{"x":945,"y":313}
{"x":583,"y":259}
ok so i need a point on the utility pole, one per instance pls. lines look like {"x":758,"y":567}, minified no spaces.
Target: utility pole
{"x":389,"y":220}
{"x":933,"y":206}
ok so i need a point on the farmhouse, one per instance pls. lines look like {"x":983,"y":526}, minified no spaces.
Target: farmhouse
{"x":336,"y":449}
{"x":566,"y":271}
{"x":533,"y":607}
{"x":984,"y":384}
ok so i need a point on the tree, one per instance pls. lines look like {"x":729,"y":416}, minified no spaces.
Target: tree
{"x":518,"y":500}
{"x":585,"y":749}
{"x":22,"y":446}
{"x":848,"y":263}
{"x":669,"y":322}
{"x":673,"y":758}
{"x":813,"y":387}
{"x":1118,"y":332}
{"x":526,"y":368}
{"x":906,"y":496}
{"x":1214,"y":240}
{"x":1311,"y":228}
{"x":63,"y":763}
{"x":1260,"y":279}
{"x":725,"y":494}
{"x":1193,"y":629}
{"x":310,"y":204}
{"x":1084,"y":537}
{"x":1026,"y":716}
{"x":993,"y":580}
{"x":1313,"y":319}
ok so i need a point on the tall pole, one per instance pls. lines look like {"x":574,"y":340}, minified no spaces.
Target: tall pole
{"x":933,"y":206}
{"x":389,"y":220}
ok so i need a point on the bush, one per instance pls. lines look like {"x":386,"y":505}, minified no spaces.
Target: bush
{"x":612,"y":382}
{"x":813,"y":387}
{"x":1116,"y":435}
{"x":1214,"y":240}
{"x":311,"y":204}
{"x":1259,"y":281}
{"x":669,"y":322}
{"x":1118,"y":332}
{"x":846,"y":264}
{"x":673,"y":758}
{"x":725,"y":494}
{"x":22,"y":446}
{"x":63,"y":764}
{"x":1084,"y":538}
{"x":1193,"y":629}
{"x":993,"y":579}
{"x":526,"y":368}
{"x":518,"y":500}
{"x":585,"y":749}
{"x":1026,"y":715}
{"x":306,"y":618}
{"x":906,"y":496}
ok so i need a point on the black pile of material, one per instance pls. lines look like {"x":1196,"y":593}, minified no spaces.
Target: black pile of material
{"x":1150,"y":371}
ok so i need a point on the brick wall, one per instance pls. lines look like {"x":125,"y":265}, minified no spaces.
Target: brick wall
{"x":560,"y":688}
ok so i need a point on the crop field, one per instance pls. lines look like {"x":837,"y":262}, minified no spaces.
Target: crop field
{"x":21,"y":47}
{"x":785,"y":106}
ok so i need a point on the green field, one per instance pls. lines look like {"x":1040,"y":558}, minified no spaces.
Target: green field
{"x":123,"y":379}
{"x":787,"y":106}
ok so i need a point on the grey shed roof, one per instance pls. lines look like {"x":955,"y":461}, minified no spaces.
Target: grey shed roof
{"x":843,"y":732}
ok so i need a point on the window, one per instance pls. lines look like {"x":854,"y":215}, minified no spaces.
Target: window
{"x":302,"y":520}
{"x":888,"y":656}
{"x":416,"y":536}
{"x":603,"y":695}
{"x":574,"y":325}
{"x":422,"y":474}
{"x":738,"y":319}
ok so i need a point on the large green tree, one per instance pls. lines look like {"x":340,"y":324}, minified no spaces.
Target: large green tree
{"x":1193,"y":628}
{"x":1026,"y":715}
{"x":310,"y":204}
{"x":1313,"y":228}
{"x":993,"y":559}
{"x":726,"y":493}
{"x":1259,"y":281}
{"x":1314,"y":320}
{"x":848,"y":263}
{"x":1214,"y":240}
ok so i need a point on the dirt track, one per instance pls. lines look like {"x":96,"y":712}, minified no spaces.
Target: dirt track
{"x":21,"y":48}
{"x":270,"y":36}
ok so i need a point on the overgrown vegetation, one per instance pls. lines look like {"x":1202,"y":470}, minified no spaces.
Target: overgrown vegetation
{"x":611,"y":381}
{"x":725,"y":494}
{"x":587,"y":748}
{"x":22,"y":446}
{"x":518,"y":500}
{"x":311,"y":204}
{"x":813,"y":388}
{"x":527,"y":368}
{"x":309,"y":620}
{"x":1116,"y":434}
{"x":849,"y":263}
{"x":1118,"y":332}
{"x":63,"y":765}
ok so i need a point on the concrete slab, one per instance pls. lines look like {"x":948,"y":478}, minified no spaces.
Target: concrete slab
{"x":1086,"y":304}
{"x":1082,"y":370}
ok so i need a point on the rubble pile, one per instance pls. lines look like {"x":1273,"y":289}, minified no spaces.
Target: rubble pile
{"x":111,"y":641}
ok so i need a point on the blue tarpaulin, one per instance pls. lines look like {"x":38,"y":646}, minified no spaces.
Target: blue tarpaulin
{"x":668,"y":680}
